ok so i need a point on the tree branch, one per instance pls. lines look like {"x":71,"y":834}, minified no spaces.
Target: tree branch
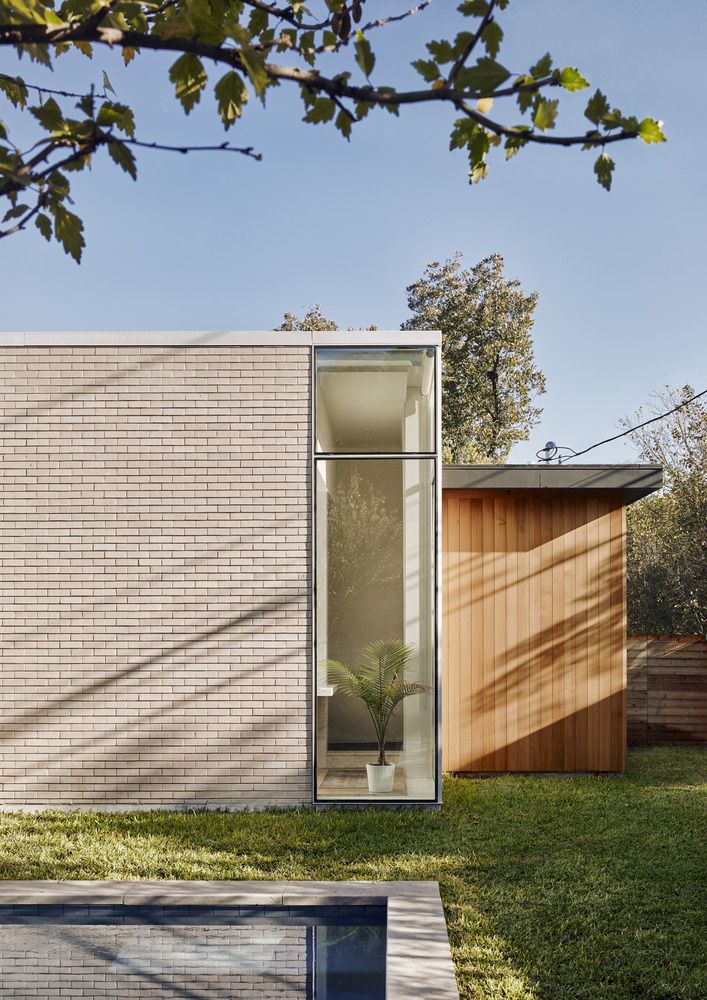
{"x":286,"y":14}
{"x":20,"y":225}
{"x":380,"y":23}
{"x":41,"y":90}
{"x":593,"y":138}
{"x":223,"y":147}
{"x":473,"y":42}
{"x":332,"y":87}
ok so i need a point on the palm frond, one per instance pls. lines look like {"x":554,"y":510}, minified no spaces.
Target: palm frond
{"x":378,"y":681}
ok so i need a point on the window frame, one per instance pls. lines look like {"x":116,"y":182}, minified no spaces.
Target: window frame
{"x":435,"y":456}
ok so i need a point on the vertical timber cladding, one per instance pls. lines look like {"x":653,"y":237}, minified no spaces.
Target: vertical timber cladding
{"x":154,"y":572}
{"x":534,"y":631}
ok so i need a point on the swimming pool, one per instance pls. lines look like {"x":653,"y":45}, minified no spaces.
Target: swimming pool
{"x":208,"y":940}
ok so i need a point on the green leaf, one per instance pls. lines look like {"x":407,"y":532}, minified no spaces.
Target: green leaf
{"x":462,"y":133}
{"x":287,"y":39}
{"x":15,"y":91}
{"x":571,"y":79}
{"x":343,"y":123}
{"x":513,"y":144}
{"x":478,"y":147}
{"x":68,"y":229}
{"x":362,"y":109}
{"x":258,"y":21}
{"x":614,"y":119}
{"x":119,"y":115}
{"x":441,"y":52}
{"x":604,"y":168}
{"x":231,"y":95}
{"x":86,"y":105}
{"x":44,"y":225}
{"x":322,"y":110}
{"x":482,"y":78}
{"x":651,"y":131}
{"x":542,"y":67}
{"x":524,"y":98}
{"x":49,"y":115}
{"x":189,"y":78}
{"x":477,"y":172}
{"x":254,"y":63}
{"x":427,"y":69}
{"x":545,"y":113}
{"x":492,"y":36}
{"x":15,"y":212}
{"x":473,"y":8}
{"x":307,"y":46}
{"x":123,"y":156}
{"x":391,"y":107}
{"x":364,"y":56}
{"x":597,"y":107}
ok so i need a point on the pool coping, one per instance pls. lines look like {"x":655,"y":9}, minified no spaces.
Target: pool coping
{"x":418,"y":957}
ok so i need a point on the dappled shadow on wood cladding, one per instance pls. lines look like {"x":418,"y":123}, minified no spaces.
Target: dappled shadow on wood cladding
{"x":534,"y":632}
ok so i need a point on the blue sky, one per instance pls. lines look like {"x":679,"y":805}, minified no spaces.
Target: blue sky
{"x":217,"y":242}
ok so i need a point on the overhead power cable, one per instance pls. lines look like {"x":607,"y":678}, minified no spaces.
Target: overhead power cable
{"x":630,"y":430}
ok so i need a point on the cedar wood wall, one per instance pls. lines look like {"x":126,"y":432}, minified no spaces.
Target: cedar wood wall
{"x":534,"y":623}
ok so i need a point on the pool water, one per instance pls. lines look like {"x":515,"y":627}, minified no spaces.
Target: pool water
{"x":119,"y":952}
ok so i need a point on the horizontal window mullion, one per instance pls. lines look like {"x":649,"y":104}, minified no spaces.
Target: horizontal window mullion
{"x":337,"y":455}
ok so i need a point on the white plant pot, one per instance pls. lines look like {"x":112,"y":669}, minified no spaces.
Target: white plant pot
{"x":380,"y":777}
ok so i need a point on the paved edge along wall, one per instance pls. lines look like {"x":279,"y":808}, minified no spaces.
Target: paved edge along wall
{"x":154,"y":567}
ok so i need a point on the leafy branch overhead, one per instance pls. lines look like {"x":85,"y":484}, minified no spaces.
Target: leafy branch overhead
{"x":325,"y":49}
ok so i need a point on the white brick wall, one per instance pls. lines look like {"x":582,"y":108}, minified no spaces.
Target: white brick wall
{"x":154,"y":577}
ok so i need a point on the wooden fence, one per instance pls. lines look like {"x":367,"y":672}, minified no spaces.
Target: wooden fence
{"x":667,"y":689}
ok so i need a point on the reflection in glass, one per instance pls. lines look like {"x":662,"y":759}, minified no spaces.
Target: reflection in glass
{"x":375,"y":545}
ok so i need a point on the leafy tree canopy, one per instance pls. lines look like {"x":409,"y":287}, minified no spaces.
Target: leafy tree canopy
{"x":489,"y":376}
{"x":240,"y":50}
{"x":313,"y":321}
{"x":667,"y":533}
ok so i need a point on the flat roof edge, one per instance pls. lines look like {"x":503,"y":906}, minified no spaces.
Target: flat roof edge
{"x":223,"y":338}
{"x":634,"y":481}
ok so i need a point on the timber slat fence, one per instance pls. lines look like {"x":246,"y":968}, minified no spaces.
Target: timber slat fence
{"x":667,"y":689}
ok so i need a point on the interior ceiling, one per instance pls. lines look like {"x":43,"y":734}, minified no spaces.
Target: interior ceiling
{"x":364,"y":407}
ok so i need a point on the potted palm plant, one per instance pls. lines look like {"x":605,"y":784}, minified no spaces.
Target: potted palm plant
{"x":379,"y":681}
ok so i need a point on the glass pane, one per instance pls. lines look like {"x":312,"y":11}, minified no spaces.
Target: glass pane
{"x":375,"y":401}
{"x":375,"y":545}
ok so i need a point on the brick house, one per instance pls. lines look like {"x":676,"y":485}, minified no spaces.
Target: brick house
{"x":160,"y":552}
{"x":192,"y":525}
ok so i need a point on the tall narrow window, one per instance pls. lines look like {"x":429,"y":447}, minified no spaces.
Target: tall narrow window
{"x":375,"y":538}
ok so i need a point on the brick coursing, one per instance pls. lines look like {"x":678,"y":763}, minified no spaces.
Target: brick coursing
{"x":118,"y":962}
{"x":154,"y":577}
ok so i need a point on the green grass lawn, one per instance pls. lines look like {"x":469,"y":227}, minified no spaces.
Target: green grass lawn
{"x":553,"y":888}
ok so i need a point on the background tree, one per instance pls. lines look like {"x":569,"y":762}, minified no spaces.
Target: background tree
{"x":313,"y":321}
{"x":323,"y":49}
{"x":667,"y":532}
{"x":489,"y":375}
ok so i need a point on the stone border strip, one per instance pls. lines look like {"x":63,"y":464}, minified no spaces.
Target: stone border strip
{"x":418,"y":959}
